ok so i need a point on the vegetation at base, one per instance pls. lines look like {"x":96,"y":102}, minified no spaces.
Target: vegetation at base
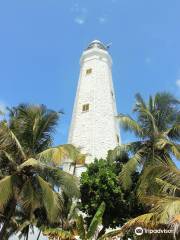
{"x":157,"y":127}
{"x":137,"y":185}
{"x":101,"y":183}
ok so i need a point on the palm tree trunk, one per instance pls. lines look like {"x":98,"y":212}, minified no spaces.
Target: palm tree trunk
{"x":102,"y":231}
{"x":74,"y":170}
{"x":27,"y":236}
{"x":38,"y":235}
{"x":12,"y":205}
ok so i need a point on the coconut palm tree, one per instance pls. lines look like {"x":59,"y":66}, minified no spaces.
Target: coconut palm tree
{"x":164,"y":204}
{"x":24,"y":186}
{"x":157,"y":128}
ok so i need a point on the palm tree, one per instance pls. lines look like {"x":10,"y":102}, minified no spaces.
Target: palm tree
{"x":158,"y":128}
{"x":164,"y":204}
{"x":23,"y":184}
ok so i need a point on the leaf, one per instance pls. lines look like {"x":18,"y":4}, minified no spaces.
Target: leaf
{"x":176,"y":150}
{"x":147,"y":182}
{"x":145,"y":220}
{"x":29,"y":197}
{"x":6,"y":191}
{"x":67,"y":182}
{"x":57,"y":233}
{"x":111,"y":234}
{"x":129,"y":168}
{"x":8,"y":139}
{"x":29,"y":163}
{"x":165,"y":208}
{"x":53,"y":155}
{"x":96,"y":221}
{"x":139,"y":101}
{"x":50,"y":200}
{"x":167,"y":187}
{"x":174,"y":131}
{"x":75,"y":154}
{"x":130,"y":124}
{"x":80,"y":227}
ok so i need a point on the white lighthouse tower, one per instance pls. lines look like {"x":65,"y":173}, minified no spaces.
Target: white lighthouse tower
{"x":94,"y":128}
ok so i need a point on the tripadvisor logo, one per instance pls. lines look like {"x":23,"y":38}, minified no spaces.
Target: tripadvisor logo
{"x":139,"y":231}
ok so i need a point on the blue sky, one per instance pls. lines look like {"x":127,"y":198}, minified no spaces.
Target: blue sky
{"x":41,"y":42}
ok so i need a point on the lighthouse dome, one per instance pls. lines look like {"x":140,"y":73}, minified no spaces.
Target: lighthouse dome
{"x":97,"y":44}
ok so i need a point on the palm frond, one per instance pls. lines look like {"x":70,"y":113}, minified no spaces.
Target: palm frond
{"x":54,"y":155}
{"x":9,"y":139}
{"x":174,"y":132}
{"x":50,"y":200}
{"x":139,"y":102}
{"x":34,"y":125}
{"x":29,"y":163}
{"x":131,"y":147}
{"x":146,"y":114}
{"x":73,"y":211}
{"x":57,"y":155}
{"x":164,"y":143}
{"x":161,"y":171}
{"x":75,"y":154}
{"x":57,"y":233}
{"x":130,"y":124}
{"x":65,"y":181}
{"x":6,"y":191}
{"x":28,"y":197}
{"x":81,"y":227}
{"x":175,"y":225}
{"x":96,"y":221}
{"x":166,"y":187}
{"x":129,"y":168}
{"x":111,"y":234}
{"x":165,"y":208}
{"x":175,"y":148}
{"x":9,"y":157}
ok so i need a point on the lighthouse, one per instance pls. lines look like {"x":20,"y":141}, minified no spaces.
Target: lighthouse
{"x":94,"y":128}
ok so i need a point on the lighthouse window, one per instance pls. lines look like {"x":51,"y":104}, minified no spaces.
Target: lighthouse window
{"x":88,"y":71}
{"x":117,"y":138}
{"x":85,"y":108}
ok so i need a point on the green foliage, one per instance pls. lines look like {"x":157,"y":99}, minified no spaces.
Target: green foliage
{"x":6,"y":191}
{"x":164,"y":204}
{"x":157,"y":127}
{"x":96,"y":221}
{"x":100,"y":184}
{"x":27,"y":184}
{"x":79,"y":227}
{"x":50,"y":199}
{"x":55,"y":233}
{"x":35,"y":124}
{"x":89,"y":233}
